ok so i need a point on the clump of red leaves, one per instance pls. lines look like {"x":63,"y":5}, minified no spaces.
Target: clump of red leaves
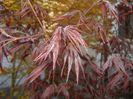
{"x":67,"y":50}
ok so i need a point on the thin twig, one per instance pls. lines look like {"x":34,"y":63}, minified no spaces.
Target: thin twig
{"x":35,"y":13}
{"x":93,"y":5}
{"x":19,"y":38}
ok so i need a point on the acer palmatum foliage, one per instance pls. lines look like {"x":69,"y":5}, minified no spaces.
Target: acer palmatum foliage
{"x":120,"y":71}
{"x":65,"y":49}
{"x":107,"y":6}
{"x":63,"y":55}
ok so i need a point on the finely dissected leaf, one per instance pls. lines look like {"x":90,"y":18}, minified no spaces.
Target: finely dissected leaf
{"x":71,"y":40}
{"x":104,"y":10}
{"x":102,"y":33}
{"x":111,"y":9}
{"x":70,"y":62}
{"x":75,"y":36}
{"x":119,"y":64}
{"x":108,"y":63}
{"x":115,"y":80}
{"x":77,"y":70}
{"x":36,"y":72}
{"x":64,"y":63}
{"x":79,"y":61}
{"x":73,"y":60}
{"x":120,"y":72}
{"x":114,"y":60}
{"x":70,"y":59}
{"x":93,"y":25}
{"x":26,"y":10}
{"x":95,"y":68}
{"x":53,"y":47}
{"x":57,"y":46}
